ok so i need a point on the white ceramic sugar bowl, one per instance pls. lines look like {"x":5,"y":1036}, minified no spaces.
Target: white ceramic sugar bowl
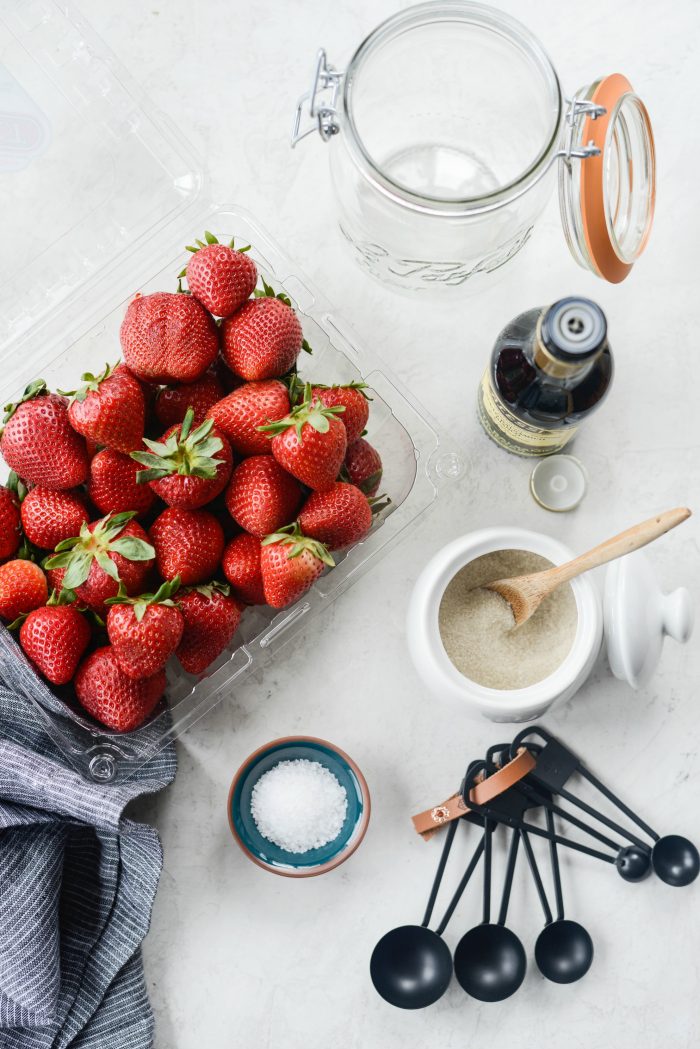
{"x":635,"y":616}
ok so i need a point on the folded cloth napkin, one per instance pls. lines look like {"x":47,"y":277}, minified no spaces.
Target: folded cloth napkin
{"x":77,"y":884}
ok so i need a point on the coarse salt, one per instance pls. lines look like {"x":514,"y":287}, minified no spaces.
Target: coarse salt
{"x":299,"y":805}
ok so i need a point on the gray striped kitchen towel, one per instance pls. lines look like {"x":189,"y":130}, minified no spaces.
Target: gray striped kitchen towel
{"x":77,"y":884}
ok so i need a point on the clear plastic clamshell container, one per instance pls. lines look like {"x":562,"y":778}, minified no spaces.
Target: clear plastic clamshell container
{"x":104,"y":196}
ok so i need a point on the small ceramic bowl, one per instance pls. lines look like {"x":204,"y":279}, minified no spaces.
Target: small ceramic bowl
{"x":434,"y":665}
{"x":270,"y":856}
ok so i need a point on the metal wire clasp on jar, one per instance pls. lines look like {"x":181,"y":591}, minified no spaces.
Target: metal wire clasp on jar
{"x":446,"y":131}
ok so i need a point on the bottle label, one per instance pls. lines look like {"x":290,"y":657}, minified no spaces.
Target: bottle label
{"x":512,"y":433}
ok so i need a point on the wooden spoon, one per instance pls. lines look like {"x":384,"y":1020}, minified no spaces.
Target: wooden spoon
{"x":525,"y":593}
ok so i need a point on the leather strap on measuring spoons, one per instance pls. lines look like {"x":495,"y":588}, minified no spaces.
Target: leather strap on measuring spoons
{"x":516,"y":769}
{"x":428,"y":822}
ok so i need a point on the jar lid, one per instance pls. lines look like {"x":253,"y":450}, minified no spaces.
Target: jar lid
{"x":607,"y":199}
{"x":638,"y":615}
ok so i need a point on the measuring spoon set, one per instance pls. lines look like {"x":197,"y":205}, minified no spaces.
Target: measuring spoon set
{"x":411,"y":966}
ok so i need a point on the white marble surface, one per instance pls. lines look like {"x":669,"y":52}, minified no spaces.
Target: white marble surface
{"x":237,"y":957}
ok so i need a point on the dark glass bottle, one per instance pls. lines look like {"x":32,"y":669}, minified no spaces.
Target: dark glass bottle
{"x":550,"y":368}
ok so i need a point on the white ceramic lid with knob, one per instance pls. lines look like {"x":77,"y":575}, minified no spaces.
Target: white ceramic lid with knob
{"x":638,"y":615}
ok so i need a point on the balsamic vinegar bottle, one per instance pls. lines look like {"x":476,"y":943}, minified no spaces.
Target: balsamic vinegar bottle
{"x":550,"y":368}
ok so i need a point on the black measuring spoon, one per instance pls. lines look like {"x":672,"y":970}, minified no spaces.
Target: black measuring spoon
{"x":509,"y":806}
{"x":564,"y":949}
{"x":675,"y":859}
{"x":498,"y":754}
{"x":411,"y":967}
{"x":490,"y":961}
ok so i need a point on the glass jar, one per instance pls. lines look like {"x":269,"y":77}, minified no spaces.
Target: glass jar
{"x":447,"y":131}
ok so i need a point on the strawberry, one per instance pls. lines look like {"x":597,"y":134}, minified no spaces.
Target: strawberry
{"x":187,"y":468}
{"x":49,"y":517}
{"x":355,"y":401}
{"x":290,"y":564}
{"x":109,"y":409}
{"x":219,"y":276}
{"x":172,"y":402}
{"x":263,"y":339}
{"x":363,"y":467}
{"x":241,"y":565}
{"x":247,"y":408}
{"x":106,"y":553}
{"x":145,"y":631}
{"x":10,"y":536}
{"x":188,"y":543}
{"x":337,"y":517}
{"x":211,"y":619}
{"x":22,"y":589}
{"x":112,"y":485}
{"x":113,"y":698}
{"x":39,"y":443}
{"x":168,"y":338}
{"x":262,"y":496}
{"x":55,"y":639}
{"x":310,"y":442}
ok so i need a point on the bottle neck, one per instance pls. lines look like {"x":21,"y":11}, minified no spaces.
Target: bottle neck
{"x":552,"y":366}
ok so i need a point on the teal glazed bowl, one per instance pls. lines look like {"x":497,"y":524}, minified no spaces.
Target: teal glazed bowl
{"x":270,"y":856}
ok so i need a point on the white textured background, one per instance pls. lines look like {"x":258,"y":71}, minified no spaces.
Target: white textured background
{"x":237,"y":957}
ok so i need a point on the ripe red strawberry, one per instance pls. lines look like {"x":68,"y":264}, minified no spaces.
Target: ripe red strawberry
{"x":109,"y":409}
{"x":241,"y":565}
{"x":113,"y":698}
{"x":262,"y":496}
{"x":363,"y":467}
{"x":9,"y":523}
{"x":219,"y":276}
{"x":168,"y":338}
{"x":187,"y":468}
{"x":310,"y":442}
{"x":337,"y":517}
{"x":245,"y":409}
{"x":172,"y":402}
{"x":145,"y":631}
{"x":355,"y":401}
{"x":264,"y":338}
{"x":22,"y":589}
{"x":49,"y":517}
{"x":211,"y":619}
{"x":290,"y":564}
{"x":39,"y":443}
{"x":55,"y":639}
{"x":188,"y":543}
{"x":106,"y":553}
{"x":112,"y":485}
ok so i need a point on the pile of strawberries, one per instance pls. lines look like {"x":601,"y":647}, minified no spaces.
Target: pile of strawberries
{"x":146,"y":509}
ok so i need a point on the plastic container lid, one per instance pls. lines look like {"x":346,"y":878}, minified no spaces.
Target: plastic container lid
{"x":71,"y":117}
{"x":638,"y":615}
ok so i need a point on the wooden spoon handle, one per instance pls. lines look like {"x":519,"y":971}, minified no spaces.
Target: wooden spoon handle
{"x":624,"y":543}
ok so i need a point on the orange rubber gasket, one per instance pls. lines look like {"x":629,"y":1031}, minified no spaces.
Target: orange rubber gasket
{"x":516,"y":769}
{"x":605,"y":259}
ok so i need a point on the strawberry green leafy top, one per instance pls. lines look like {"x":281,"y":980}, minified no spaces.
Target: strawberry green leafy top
{"x":292,"y":536}
{"x":77,"y":554}
{"x":311,"y":411}
{"x":184,"y":451}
